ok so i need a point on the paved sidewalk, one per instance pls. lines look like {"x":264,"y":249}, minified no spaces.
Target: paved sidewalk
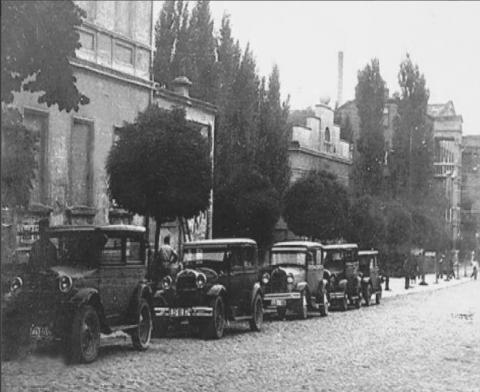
{"x":397,"y":285}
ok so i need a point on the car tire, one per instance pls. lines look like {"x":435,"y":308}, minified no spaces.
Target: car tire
{"x":344,"y":303}
{"x":378,"y":296}
{"x":257,"y":314}
{"x":85,"y":337}
{"x":160,"y":324}
{"x":214,"y":327}
{"x":303,"y":305}
{"x":324,"y":305}
{"x":142,"y":334}
{"x":367,"y":295}
{"x":281,"y":312}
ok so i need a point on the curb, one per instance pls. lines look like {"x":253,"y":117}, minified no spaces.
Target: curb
{"x":431,"y":287}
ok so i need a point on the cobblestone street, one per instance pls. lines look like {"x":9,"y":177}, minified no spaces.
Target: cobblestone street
{"x":420,"y":342}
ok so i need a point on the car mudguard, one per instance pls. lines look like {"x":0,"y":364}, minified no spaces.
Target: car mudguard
{"x":89,"y":295}
{"x":216,"y":289}
{"x":342,"y":285}
{"x":365,"y":281}
{"x":301,"y":286}
{"x":257,"y":289}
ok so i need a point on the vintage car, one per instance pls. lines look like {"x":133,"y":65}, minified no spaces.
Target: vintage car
{"x":219,"y":282}
{"x":371,"y":279}
{"x":341,"y":271}
{"x":294,"y":282}
{"x":93,"y":283}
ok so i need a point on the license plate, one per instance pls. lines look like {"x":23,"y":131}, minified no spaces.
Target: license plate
{"x":279,"y":302}
{"x":180,"y":312}
{"x":40,"y":332}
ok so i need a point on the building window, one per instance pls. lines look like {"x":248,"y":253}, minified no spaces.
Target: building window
{"x":327,"y":134}
{"x":87,"y":40}
{"x":80,"y":173}
{"x":124,"y":54}
{"x":37,"y":122}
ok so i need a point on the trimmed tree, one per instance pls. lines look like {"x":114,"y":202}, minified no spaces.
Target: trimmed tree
{"x":316,"y":206}
{"x":367,"y":223}
{"x":160,"y":167}
{"x":38,"y":37}
{"x":369,"y":97}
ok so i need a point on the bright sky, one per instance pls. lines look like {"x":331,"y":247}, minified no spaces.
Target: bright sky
{"x":303,"y":39}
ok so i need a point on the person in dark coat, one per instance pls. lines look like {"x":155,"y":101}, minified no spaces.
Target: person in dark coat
{"x":406,"y":272}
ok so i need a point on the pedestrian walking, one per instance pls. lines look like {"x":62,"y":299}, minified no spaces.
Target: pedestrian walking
{"x":474,"y":267}
{"x":441,"y":262}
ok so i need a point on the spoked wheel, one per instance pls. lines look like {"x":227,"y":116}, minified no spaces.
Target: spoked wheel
{"x":85,"y":339}
{"x":257,"y":314}
{"x":303,"y":306}
{"x":378,"y":296}
{"x":214,"y":327}
{"x":368,"y":295}
{"x":324,"y":306}
{"x":143,"y":332}
{"x":344,"y":303}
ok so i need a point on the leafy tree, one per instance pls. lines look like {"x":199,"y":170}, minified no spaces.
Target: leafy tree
{"x":38,"y":37}
{"x":247,"y":206}
{"x":346,"y":130}
{"x":18,"y":162}
{"x":367,"y":222}
{"x":160,"y":167}
{"x":412,"y":160}
{"x":272,"y":149}
{"x":369,"y":98}
{"x":316,"y":206}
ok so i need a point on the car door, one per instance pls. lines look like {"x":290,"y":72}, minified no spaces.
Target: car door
{"x":250,"y":277}
{"x":374,"y":272}
{"x":311,"y":269}
{"x":235,"y":276}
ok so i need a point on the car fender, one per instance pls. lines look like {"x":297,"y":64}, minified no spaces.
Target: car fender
{"x":301,"y":286}
{"x":343,"y":284}
{"x":365,"y":281}
{"x":216,"y":289}
{"x":88,"y":295}
{"x":143,"y":290}
{"x":257,"y":289}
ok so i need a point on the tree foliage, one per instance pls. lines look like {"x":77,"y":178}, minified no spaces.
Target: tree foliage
{"x":316,"y":206}
{"x":412,"y":161}
{"x":369,"y":97}
{"x":367,"y":222}
{"x":38,"y":37}
{"x":18,"y":160}
{"x":160,"y":166}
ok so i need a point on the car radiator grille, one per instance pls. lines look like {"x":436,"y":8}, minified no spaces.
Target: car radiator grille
{"x":278,"y":281}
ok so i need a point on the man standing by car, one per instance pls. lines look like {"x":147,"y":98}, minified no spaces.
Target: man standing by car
{"x":166,"y":263}
{"x":43,"y":253}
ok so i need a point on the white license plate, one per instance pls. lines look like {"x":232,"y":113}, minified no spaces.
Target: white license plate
{"x":279,"y":302}
{"x":180,"y":312}
{"x":40,"y":332}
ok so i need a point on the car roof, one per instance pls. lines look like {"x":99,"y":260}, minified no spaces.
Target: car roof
{"x":340,"y":246}
{"x":297,"y":243}
{"x":221,"y":241}
{"x":87,"y":228}
{"x":367,"y":252}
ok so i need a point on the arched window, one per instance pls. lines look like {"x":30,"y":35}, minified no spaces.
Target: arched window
{"x":327,"y":134}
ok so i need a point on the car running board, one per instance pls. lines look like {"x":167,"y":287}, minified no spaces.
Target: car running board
{"x":123,"y":327}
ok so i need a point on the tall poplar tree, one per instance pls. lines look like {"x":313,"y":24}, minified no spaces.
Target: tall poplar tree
{"x":369,"y":97}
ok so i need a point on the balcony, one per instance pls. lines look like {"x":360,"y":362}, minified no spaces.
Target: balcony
{"x":443,"y":169}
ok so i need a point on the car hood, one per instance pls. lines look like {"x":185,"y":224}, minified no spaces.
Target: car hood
{"x":73,"y":272}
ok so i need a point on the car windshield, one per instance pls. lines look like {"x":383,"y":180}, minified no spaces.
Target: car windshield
{"x":78,"y":248}
{"x":194,"y":257}
{"x":334,"y":260}
{"x":288,"y":258}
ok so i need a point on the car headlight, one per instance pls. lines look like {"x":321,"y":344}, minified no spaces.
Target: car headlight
{"x":290,"y":279}
{"x":16,"y":284}
{"x":65,"y":283}
{"x":201,"y":280}
{"x":266,"y":278}
{"x":166,"y":282}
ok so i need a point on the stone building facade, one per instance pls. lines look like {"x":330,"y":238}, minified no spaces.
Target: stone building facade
{"x":113,"y":69}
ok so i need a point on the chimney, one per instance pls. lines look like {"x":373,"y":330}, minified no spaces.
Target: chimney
{"x":181,"y":86}
{"x":340,"y":79}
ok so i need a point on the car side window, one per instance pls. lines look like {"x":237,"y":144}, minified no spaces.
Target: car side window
{"x":134,"y":252}
{"x":248,"y":256}
{"x":310,"y":258}
{"x":112,"y":251}
{"x":235,"y":260}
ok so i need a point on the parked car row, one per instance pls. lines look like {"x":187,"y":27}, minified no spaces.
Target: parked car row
{"x":97,"y":283}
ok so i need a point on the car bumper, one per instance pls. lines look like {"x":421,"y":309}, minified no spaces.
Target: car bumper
{"x":275,"y":300}
{"x":196,"y":311}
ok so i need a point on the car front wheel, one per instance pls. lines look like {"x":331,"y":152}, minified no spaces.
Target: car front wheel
{"x":324,"y":306}
{"x":303,"y":306}
{"x":143,"y":332}
{"x":85,"y":338}
{"x":368,"y":295}
{"x":214,"y":327}
{"x":378,"y":297}
{"x":344,"y":304}
{"x":257,"y":314}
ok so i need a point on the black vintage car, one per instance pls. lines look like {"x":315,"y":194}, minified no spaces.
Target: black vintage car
{"x":371,"y":279}
{"x":219,"y":282}
{"x":294,"y":281}
{"x":341,"y":270}
{"x":93,"y":283}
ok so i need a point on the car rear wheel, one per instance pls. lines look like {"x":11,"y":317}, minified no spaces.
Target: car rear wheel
{"x":257,"y":314}
{"x":324,"y":306}
{"x":214,"y":327}
{"x":344,"y":303}
{"x":143,"y":332}
{"x":378,"y":297}
{"x":368,"y":295}
{"x":85,"y":338}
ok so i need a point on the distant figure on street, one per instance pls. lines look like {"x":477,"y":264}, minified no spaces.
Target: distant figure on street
{"x":441,"y":263}
{"x":413,"y":269}
{"x":449,"y":267}
{"x":474,"y":267}
{"x":43,"y":253}
{"x":406,"y":271}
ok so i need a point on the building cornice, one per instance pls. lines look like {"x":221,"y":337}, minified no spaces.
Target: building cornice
{"x":316,"y":153}
{"x":186,"y":101}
